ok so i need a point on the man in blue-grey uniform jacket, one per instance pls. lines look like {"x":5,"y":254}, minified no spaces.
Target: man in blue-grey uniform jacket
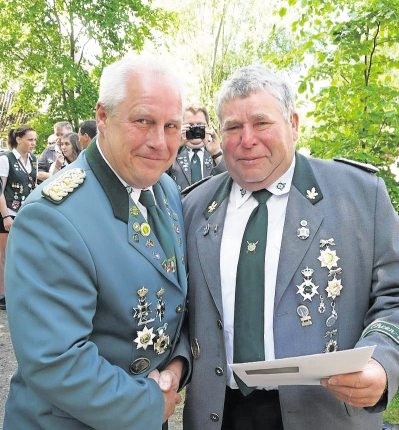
{"x":96,"y":306}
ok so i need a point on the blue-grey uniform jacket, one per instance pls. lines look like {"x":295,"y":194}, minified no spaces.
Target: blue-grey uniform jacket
{"x":92,"y":306}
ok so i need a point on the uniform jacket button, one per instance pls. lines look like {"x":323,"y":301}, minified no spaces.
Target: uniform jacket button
{"x":220,"y":324}
{"x":219,"y":371}
{"x":214,"y":417}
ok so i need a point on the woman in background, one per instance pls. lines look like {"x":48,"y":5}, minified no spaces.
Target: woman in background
{"x":70,"y":149}
{"x":18,"y":170}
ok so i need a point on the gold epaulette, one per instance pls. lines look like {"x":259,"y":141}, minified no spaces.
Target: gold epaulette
{"x":64,"y":185}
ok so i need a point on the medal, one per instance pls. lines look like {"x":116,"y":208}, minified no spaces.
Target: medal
{"x":303,"y":312}
{"x":332,"y":319}
{"x":160,"y":304}
{"x":142,"y":311}
{"x":303,"y":231}
{"x":145,"y":338}
{"x":145,"y":229}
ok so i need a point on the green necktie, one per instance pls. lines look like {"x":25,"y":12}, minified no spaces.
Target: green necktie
{"x":158,"y":222}
{"x":196,"y":174}
{"x":250,"y":286}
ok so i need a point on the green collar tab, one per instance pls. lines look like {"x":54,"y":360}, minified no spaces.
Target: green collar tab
{"x":221,"y":193}
{"x":305,"y":181}
{"x":112,"y":186}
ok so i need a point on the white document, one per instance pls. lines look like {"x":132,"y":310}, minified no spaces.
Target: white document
{"x":303,"y":370}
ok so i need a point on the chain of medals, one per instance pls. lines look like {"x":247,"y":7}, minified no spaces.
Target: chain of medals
{"x":308,"y":289}
{"x":150,"y":336}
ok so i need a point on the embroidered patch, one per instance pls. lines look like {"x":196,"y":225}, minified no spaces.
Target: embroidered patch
{"x":389,"y":329}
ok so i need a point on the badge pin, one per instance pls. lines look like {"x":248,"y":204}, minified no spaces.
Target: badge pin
{"x":149,"y":243}
{"x":281,"y":185}
{"x":145,"y":229}
{"x":212,"y":207}
{"x":243,"y":191}
{"x":251,"y":246}
{"x":205,"y":230}
{"x":303,"y":312}
{"x":303,"y":232}
{"x":134,"y":211}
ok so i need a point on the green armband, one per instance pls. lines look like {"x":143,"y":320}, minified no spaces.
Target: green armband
{"x":389,"y":329}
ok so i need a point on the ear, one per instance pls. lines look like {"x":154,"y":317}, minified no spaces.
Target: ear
{"x":101,"y":117}
{"x":295,"y":126}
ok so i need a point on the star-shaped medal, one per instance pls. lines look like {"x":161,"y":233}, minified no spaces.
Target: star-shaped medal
{"x":328,"y":258}
{"x":145,"y":338}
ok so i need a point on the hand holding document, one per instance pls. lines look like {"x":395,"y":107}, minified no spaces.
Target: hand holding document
{"x":303,"y":370}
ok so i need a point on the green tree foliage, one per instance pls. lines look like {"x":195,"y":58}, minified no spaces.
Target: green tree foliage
{"x":53,"y":50}
{"x":221,"y":36}
{"x":351,"y":74}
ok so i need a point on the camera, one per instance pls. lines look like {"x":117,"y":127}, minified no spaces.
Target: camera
{"x":195,"y":132}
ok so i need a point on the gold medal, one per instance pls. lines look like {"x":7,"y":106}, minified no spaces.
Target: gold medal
{"x":145,"y":229}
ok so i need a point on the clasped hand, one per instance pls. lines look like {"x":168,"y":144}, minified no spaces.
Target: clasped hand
{"x":168,"y":382}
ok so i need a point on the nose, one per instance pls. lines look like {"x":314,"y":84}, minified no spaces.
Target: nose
{"x":157,"y":138}
{"x":247,"y":136}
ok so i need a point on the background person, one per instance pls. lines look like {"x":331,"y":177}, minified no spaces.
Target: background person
{"x":97,"y":332}
{"x":18,"y":169}
{"x":287,"y":256}
{"x":87,"y":132}
{"x":200,"y":154}
{"x":49,"y":154}
{"x":69,"y":151}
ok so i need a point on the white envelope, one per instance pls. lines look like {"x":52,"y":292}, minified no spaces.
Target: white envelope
{"x":303,"y":370}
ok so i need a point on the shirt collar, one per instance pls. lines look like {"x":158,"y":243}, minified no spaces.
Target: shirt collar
{"x":133,"y":192}
{"x":279,"y":187}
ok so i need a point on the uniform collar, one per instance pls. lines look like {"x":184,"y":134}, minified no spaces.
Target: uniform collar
{"x":279,"y":187}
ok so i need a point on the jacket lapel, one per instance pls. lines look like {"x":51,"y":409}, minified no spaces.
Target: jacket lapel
{"x":304,"y":196}
{"x":209,"y":237}
{"x":183,"y":160}
{"x":125,"y":210}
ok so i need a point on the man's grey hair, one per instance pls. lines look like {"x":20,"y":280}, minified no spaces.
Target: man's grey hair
{"x":114,"y":78}
{"x":251,"y":79}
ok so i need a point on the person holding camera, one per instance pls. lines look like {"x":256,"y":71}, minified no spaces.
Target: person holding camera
{"x":200,"y":154}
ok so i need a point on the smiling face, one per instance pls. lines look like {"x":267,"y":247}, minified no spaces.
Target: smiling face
{"x":141,"y":137}
{"x":258,"y":142}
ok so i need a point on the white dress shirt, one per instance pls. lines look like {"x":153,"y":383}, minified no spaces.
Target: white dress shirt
{"x":240,"y":205}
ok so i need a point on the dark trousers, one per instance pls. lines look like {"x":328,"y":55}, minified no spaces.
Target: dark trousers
{"x":260,"y":410}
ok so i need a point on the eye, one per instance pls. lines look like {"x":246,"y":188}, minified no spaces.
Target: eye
{"x":231,"y":127}
{"x":261,"y":125}
{"x":170,"y":125}
{"x":143,"y":121}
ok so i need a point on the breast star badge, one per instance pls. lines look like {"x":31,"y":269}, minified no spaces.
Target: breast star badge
{"x":145,"y":337}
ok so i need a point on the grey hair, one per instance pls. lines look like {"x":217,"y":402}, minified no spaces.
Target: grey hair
{"x":251,"y":79}
{"x":114,"y":78}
